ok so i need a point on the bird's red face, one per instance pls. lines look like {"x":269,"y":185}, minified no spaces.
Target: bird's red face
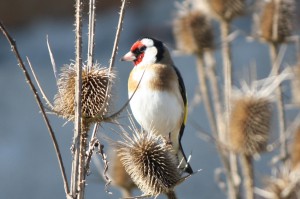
{"x":136,"y":53}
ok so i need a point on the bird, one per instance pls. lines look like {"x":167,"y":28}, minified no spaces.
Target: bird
{"x":159,"y":98}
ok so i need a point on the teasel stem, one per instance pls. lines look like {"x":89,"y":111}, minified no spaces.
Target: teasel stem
{"x":77,"y":187}
{"x":227,"y":70}
{"x":14,"y":48}
{"x":247,"y":169}
{"x":171,"y":195}
{"x":91,"y":34}
{"x":212,"y":76}
{"x":204,"y":93}
{"x":274,"y":49}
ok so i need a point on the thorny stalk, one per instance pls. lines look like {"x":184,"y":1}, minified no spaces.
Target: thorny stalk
{"x":204,"y":93}
{"x":77,"y":185}
{"x":227,"y":70}
{"x":91,"y":34}
{"x":280,"y":104}
{"x":14,"y":48}
{"x":247,"y":168}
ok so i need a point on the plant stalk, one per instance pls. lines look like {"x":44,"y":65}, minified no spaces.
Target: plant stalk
{"x":280,"y":103}
{"x":247,"y":168}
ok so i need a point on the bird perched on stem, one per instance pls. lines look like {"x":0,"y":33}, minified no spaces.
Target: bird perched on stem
{"x":160,"y":101}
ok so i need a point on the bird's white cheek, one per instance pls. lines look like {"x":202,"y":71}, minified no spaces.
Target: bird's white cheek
{"x":149,"y":57}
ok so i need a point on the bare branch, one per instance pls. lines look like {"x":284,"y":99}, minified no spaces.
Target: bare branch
{"x":113,"y":55}
{"x":39,"y":86}
{"x":40,"y":104}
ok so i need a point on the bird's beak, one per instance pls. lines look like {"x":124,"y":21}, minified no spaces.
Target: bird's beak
{"x":128,"y":57}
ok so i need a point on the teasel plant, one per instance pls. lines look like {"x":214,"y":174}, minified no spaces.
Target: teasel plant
{"x":225,"y":12}
{"x":275,"y":27}
{"x":193,"y":33}
{"x":250,"y":123}
{"x":284,"y":183}
{"x":84,"y":96}
{"x":149,"y":160}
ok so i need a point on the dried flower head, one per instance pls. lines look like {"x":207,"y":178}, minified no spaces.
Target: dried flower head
{"x":250,"y":124}
{"x":251,"y":114}
{"x":150,"y":161}
{"x":276,"y":20}
{"x":284,"y":185}
{"x":295,"y":151}
{"x":119,"y":176}
{"x":94,"y":85}
{"x":193,"y":32}
{"x":227,"y":10}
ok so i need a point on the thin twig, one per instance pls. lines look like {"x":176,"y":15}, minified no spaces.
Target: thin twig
{"x":91,"y":35}
{"x":114,"y":52}
{"x":39,"y":86}
{"x":204,"y":93}
{"x":13,"y":46}
{"x":280,"y":103}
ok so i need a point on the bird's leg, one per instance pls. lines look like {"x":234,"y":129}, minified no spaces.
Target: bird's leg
{"x":169,"y":140}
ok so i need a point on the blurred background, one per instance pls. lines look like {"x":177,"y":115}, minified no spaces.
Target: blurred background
{"x":28,"y":166}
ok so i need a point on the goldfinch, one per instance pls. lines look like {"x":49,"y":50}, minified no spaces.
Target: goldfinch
{"x":160,"y":101}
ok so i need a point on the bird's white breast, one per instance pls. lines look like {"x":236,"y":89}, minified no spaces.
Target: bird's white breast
{"x":158,"y":110}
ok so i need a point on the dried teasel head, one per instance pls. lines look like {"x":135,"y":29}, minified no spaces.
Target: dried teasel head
{"x":119,"y":176}
{"x":225,"y":10}
{"x":295,"y":151}
{"x":193,"y":32}
{"x":276,"y":20}
{"x":95,"y":103}
{"x":150,"y":161}
{"x":250,"y":124}
{"x":284,"y":185}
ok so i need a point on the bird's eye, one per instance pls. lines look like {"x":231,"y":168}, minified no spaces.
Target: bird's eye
{"x":142,"y":49}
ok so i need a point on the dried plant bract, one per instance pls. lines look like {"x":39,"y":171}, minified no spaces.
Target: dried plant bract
{"x":150,"y":161}
{"x":276,"y":20}
{"x":193,"y":32}
{"x":250,"y":124}
{"x":119,"y":176}
{"x":94,"y":86}
{"x":227,"y":10}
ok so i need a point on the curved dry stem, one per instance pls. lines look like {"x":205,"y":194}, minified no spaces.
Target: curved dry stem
{"x":39,"y":85}
{"x":114,"y":52}
{"x":40,"y":104}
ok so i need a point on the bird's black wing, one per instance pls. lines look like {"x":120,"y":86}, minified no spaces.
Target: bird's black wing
{"x":184,"y":98}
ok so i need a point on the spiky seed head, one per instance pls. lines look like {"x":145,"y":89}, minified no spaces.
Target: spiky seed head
{"x":278,"y":184}
{"x":295,"y":151}
{"x":95,"y":103}
{"x":193,"y":32}
{"x":276,"y":20}
{"x":150,"y":161}
{"x":118,"y":174}
{"x":250,"y":124}
{"x":227,"y":10}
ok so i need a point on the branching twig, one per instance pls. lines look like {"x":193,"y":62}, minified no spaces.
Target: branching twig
{"x":114,"y":52}
{"x":40,"y":104}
